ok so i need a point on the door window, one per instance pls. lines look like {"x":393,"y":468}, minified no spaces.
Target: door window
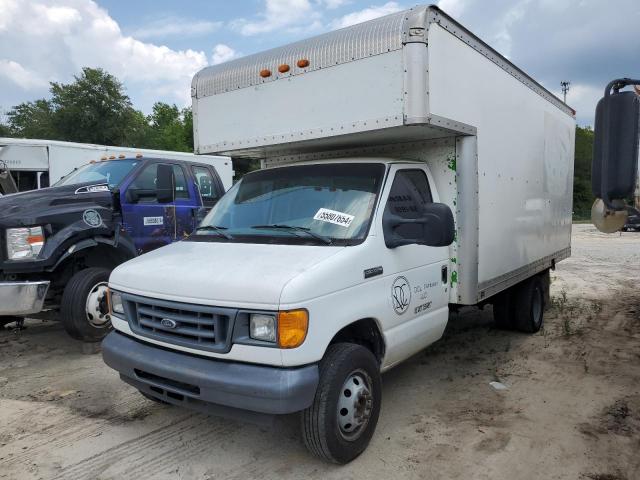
{"x":206,"y":185}
{"x":409,"y":193}
{"x":144,"y":185}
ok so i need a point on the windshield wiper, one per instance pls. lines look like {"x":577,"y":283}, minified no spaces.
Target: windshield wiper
{"x":215,"y":228}
{"x":293,"y":228}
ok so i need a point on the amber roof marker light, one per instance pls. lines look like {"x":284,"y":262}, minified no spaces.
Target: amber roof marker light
{"x":284,"y":68}
{"x":303,"y":63}
{"x":265,"y":73}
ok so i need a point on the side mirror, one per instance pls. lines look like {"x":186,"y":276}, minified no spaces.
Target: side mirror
{"x":436,"y":227}
{"x":615,"y":148}
{"x":165,"y":184}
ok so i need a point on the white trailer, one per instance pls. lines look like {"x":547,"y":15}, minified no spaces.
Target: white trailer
{"x":39,"y":163}
{"x":409,"y":168}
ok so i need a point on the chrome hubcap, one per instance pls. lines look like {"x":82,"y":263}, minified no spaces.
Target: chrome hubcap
{"x":355,"y":404}
{"x":96,"y":307}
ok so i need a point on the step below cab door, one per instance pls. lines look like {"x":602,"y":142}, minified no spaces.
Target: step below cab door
{"x":418,"y":285}
{"x":153,"y":224}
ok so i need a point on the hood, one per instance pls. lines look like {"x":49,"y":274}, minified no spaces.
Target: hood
{"x":221,"y":274}
{"x":48,"y":205}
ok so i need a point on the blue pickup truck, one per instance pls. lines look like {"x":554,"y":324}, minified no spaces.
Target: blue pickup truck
{"x":58,"y":245}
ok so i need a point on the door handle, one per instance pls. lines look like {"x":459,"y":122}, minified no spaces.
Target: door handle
{"x":444,"y":272}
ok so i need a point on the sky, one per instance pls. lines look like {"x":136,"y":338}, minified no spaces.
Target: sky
{"x":155,"y":46}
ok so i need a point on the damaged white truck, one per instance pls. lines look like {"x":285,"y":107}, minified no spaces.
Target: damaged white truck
{"x":408,"y":168}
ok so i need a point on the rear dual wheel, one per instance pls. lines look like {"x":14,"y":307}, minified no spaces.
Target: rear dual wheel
{"x":522,"y":307}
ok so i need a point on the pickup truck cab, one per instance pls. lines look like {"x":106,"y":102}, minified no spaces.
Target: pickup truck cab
{"x":59,"y":244}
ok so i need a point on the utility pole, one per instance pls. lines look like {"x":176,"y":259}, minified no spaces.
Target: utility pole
{"x":565,"y":89}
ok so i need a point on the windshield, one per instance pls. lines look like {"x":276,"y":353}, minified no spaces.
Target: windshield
{"x":323,"y":204}
{"x":111,"y":172}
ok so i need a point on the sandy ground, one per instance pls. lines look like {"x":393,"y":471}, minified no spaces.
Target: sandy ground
{"x":571,"y":410}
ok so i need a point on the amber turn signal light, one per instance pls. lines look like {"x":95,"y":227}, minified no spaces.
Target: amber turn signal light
{"x":292,"y":328}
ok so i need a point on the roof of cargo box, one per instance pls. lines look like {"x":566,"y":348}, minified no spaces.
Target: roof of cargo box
{"x":374,"y":37}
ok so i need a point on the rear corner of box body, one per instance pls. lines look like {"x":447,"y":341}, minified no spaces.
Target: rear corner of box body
{"x":525,"y":161}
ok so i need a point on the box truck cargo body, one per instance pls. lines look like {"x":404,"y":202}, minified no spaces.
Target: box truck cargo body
{"x":40,"y":163}
{"x":407,"y":168}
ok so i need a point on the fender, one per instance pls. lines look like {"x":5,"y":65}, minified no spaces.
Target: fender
{"x":123,"y":243}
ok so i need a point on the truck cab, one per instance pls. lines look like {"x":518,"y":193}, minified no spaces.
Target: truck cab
{"x":59,"y":244}
{"x":291,"y":262}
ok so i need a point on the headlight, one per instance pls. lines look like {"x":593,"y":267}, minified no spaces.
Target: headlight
{"x":24,"y":243}
{"x":115,"y":302}
{"x":262,"y":327}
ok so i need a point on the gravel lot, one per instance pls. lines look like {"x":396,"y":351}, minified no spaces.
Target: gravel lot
{"x":571,"y":410}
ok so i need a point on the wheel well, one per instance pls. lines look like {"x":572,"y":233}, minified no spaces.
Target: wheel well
{"x":364,"y":332}
{"x":101,"y":255}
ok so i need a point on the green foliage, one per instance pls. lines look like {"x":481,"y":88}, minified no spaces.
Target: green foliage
{"x":582,"y":197}
{"x":94,"y":108}
{"x":170,"y":128}
{"x":31,"y":120}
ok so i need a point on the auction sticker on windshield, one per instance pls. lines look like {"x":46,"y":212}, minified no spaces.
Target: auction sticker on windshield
{"x":331,"y":216}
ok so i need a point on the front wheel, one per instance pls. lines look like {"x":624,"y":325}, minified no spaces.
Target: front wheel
{"x":340,"y":423}
{"x":84,"y":310}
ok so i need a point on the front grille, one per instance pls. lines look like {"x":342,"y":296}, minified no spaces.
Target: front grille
{"x":194,"y":326}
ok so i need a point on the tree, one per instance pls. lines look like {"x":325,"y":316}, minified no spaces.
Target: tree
{"x":170,"y":128}
{"x":32,"y":120}
{"x":582,"y":197}
{"x":93,"y":109}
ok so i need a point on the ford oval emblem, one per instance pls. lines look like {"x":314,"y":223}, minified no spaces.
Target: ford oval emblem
{"x":168,"y":323}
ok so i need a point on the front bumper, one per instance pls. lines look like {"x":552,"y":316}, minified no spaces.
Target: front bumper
{"x":199,"y":383}
{"x":22,"y":298}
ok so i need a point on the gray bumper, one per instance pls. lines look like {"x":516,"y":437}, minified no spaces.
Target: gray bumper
{"x":22,"y":298}
{"x":199,"y":383}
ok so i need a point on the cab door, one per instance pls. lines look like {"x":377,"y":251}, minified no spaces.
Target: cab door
{"x":152,"y":224}
{"x":418,"y":290}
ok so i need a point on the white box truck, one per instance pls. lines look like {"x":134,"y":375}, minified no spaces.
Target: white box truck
{"x":408,"y":168}
{"x":37,"y":164}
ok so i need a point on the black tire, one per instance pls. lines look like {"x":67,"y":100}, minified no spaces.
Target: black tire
{"x":503,"y":310}
{"x":529,"y":305}
{"x":7,"y":319}
{"x":323,"y":434}
{"x":73,"y":312}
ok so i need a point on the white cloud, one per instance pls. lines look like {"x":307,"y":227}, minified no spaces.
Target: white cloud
{"x":333,"y":4}
{"x":366,"y":14}
{"x":279,"y":14}
{"x":504,"y":25}
{"x":455,"y":8}
{"x":223,"y":53}
{"x":175,"y":26}
{"x":53,"y":43}
{"x":23,"y":78}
